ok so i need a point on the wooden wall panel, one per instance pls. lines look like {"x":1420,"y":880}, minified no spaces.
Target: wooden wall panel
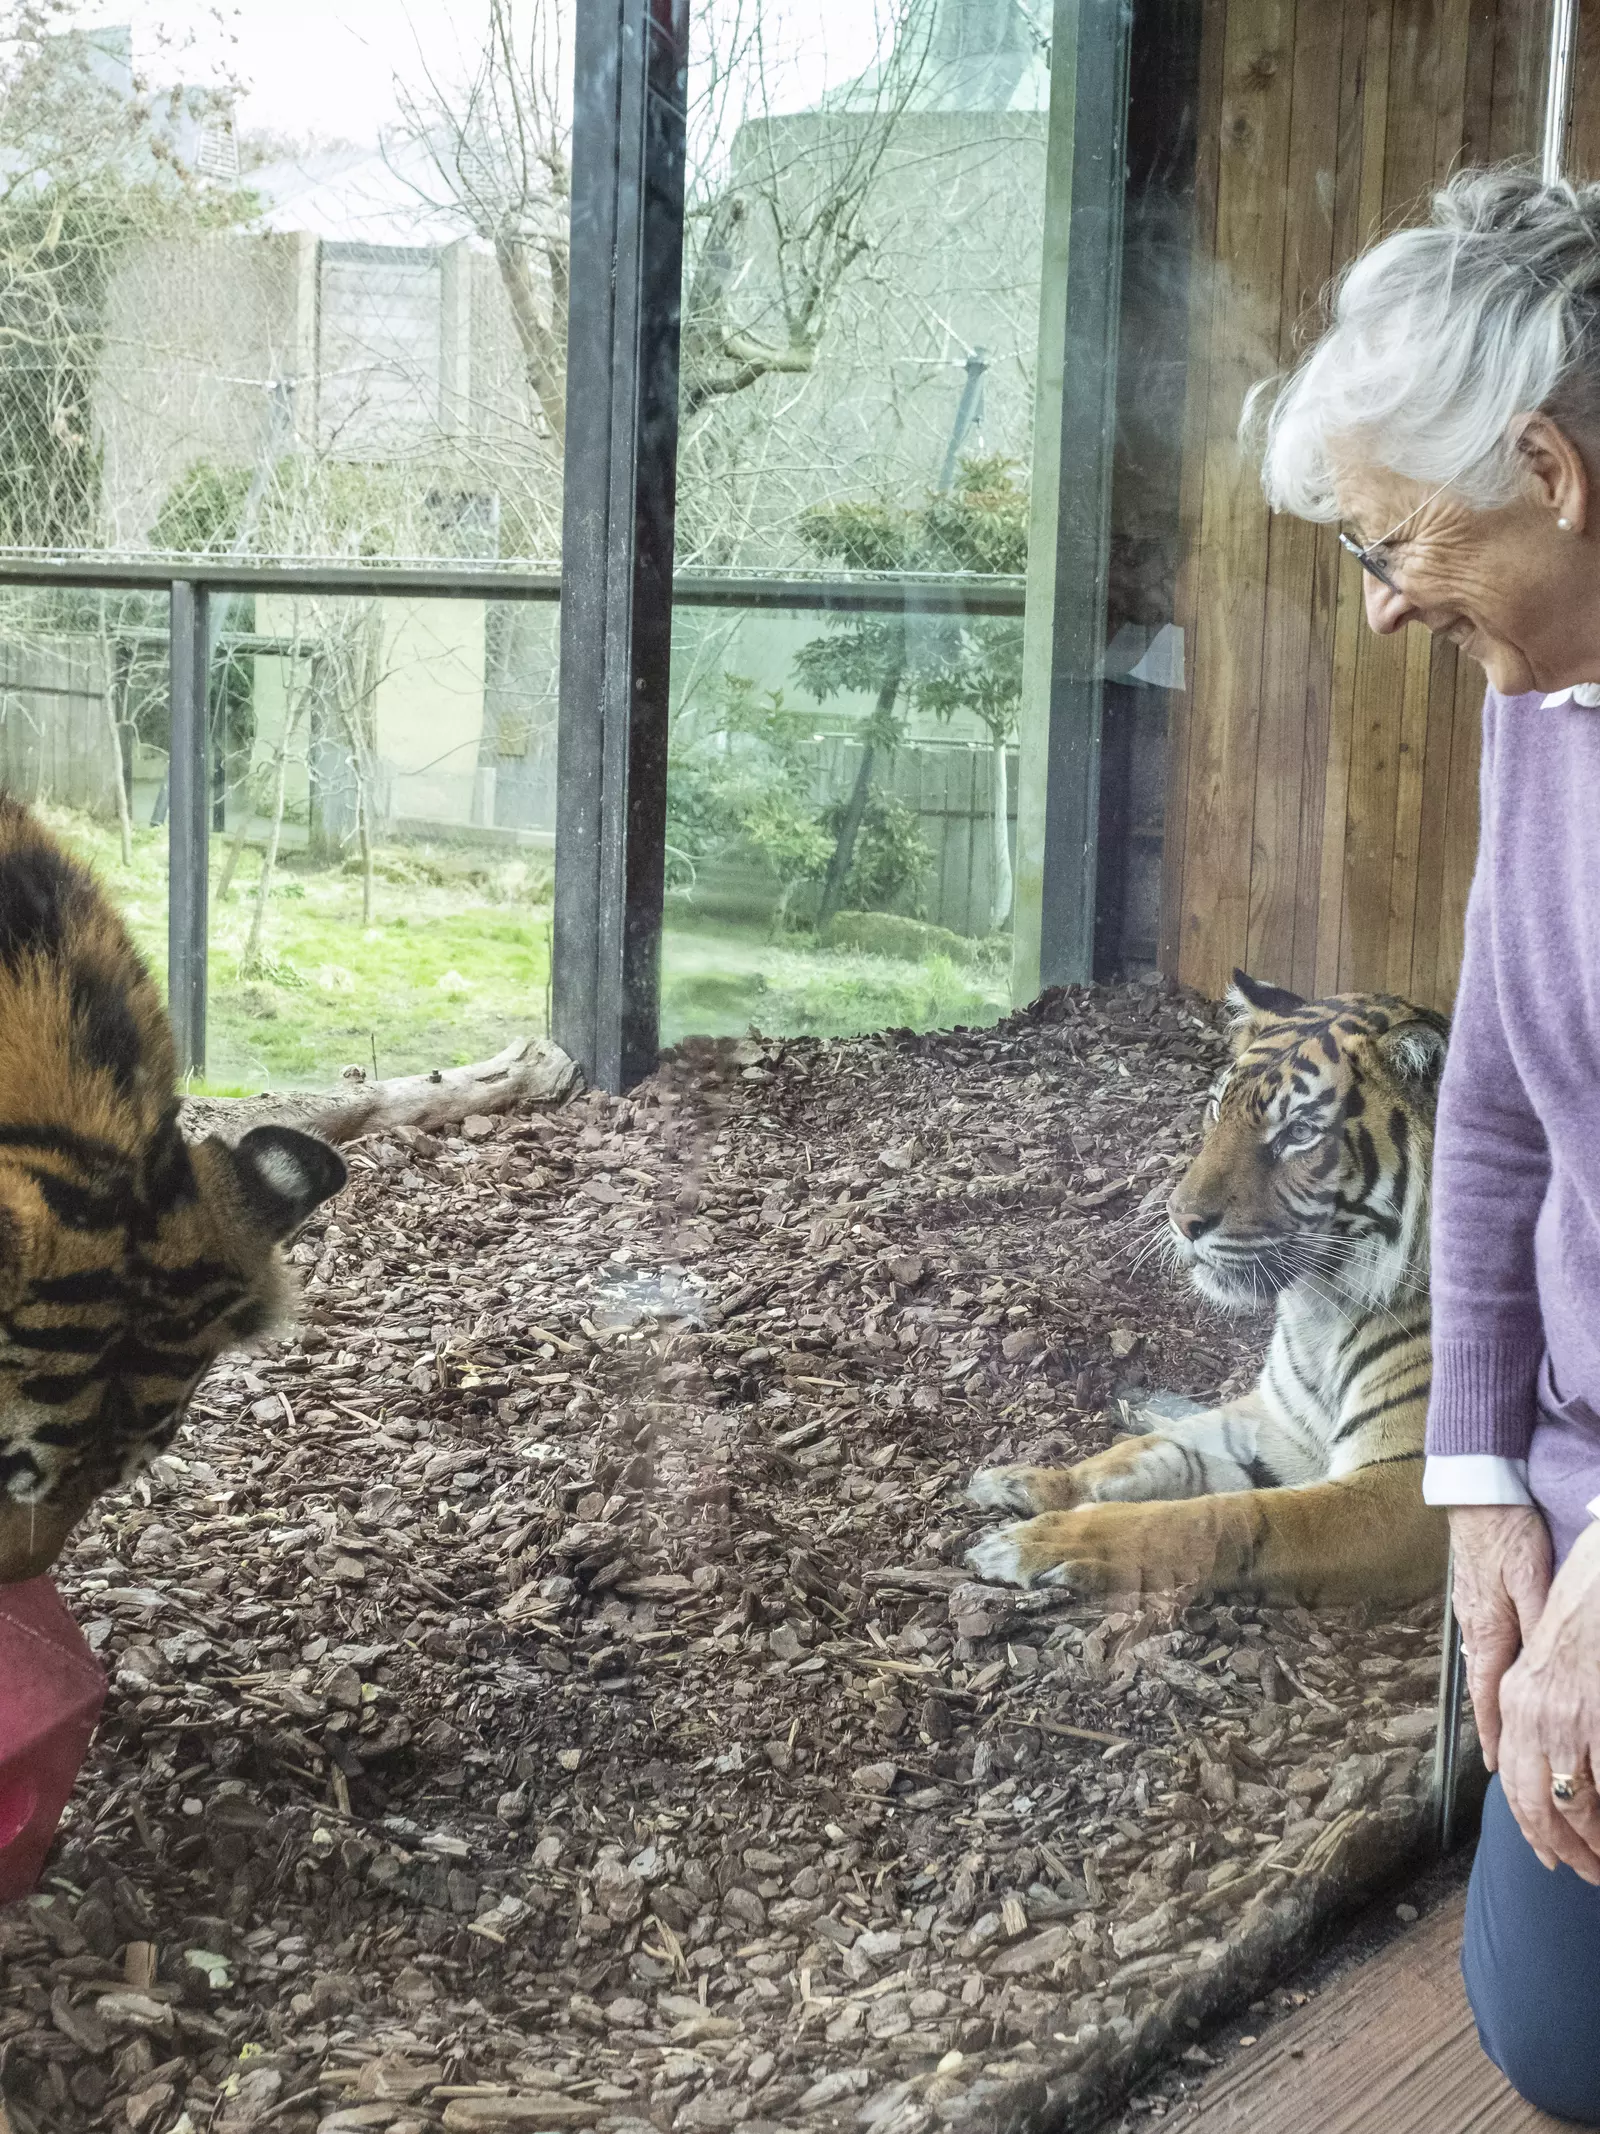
{"x":1245,"y":275}
{"x":1191,"y":497}
{"x":1295,"y":623}
{"x":1322,"y":819}
{"x":1583,"y":143}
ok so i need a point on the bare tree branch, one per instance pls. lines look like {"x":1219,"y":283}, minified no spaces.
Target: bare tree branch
{"x":498,"y":146}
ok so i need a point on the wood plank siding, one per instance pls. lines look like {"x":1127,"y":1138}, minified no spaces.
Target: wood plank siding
{"x":1322,"y":782}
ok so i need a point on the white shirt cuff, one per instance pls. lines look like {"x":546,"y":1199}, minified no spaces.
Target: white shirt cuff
{"x":1474,"y":1478}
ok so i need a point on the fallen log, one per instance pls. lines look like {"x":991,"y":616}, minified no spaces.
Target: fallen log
{"x":530,"y":1071}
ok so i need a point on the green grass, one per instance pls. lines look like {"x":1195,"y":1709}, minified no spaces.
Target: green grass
{"x":456,"y":964}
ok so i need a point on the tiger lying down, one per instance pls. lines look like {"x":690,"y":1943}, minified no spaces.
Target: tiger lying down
{"x":128,"y":1261}
{"x":1311,"y":1187}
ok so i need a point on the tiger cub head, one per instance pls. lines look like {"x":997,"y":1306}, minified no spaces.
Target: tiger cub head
{"x":122,"y":1278}
{"x":128,"y":1260}
{"x":1314,"y":1168}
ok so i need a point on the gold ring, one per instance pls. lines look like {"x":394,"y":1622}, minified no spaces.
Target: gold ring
{"x":1564,"y":1786}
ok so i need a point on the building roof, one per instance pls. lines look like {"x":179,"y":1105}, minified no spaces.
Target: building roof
{"x":378,"y":196}
{"x":961,"y":55}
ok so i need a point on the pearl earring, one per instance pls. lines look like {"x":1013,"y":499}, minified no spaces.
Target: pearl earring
{"x":1565,"y":525}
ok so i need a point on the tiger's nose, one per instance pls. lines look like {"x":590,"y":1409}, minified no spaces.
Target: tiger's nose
{"x":1192,"y":1226}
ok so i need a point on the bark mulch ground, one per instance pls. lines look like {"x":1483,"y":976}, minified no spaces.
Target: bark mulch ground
{"x":545,"y":1692}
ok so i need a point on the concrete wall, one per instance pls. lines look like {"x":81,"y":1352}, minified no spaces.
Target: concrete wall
{"x":430,"y":710}
{"x":428,"y":714}
{"x":196,"y":332}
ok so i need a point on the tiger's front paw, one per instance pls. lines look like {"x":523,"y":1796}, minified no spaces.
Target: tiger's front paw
{"x":997,"y":1558}
{"x":1023,"y":1489}
{"x":1085,"y":1552}
{"x":1001,"y":1489}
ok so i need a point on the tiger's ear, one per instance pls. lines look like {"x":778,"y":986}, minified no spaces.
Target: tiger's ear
{"x":1415,"y":1049}
{"x":1249,"y":996}
{"x":1249,"y":1000}
{"x":283,"y":1174}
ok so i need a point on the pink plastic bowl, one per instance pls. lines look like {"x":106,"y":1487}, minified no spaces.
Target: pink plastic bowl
{"x":51,"y":1691}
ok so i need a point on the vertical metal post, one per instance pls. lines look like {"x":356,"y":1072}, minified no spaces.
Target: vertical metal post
{"x":1058,"y":787}
{"x":1558,"y":90}
{"x":618,"y":513}
{"x":189,"y":821}
{"x":1447,"y":1736}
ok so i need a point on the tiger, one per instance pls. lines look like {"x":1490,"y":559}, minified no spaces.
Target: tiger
{"x":1310,"y":1190}
{"x":128,"y":1259}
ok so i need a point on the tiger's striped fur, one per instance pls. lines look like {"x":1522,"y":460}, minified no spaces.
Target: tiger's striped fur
{"x":128,"y":1260}
{"x":1311,"y":1189}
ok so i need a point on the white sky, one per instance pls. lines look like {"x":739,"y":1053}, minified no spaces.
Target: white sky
{"x":328,"y":67}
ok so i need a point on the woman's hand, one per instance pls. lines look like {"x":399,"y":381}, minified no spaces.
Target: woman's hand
{"x":1502,"y":1575}
{"x":1550,"y":1713}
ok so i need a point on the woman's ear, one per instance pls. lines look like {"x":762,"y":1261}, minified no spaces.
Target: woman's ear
{"x":1557,"y":470}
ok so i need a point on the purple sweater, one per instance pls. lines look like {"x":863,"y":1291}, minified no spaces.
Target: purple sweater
{"x":1516,"y":1182}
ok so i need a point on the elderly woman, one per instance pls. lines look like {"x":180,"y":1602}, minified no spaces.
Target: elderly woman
{"x":1450,"y":420}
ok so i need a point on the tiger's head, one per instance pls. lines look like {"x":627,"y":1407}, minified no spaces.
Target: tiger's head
{"x":128,"y":1259}
{"x":123,"y":1276}
{"x":1314,"y":1168}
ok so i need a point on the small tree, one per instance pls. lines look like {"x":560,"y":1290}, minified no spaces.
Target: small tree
{"x":949,"y":664}
{"x":863,"y":654}
{"x":737,"y":775}
{"x":974,"y":664}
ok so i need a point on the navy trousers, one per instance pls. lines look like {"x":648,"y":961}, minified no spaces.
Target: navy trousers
{"x":1531,"y":1961}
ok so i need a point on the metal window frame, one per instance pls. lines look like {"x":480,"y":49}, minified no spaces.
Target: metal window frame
{"x":188,"y":820}
{"x":192,"y":584}
{"x":619,"y":515}
{"x":1075,"y":418}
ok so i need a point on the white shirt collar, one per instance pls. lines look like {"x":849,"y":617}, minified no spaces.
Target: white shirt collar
{"x":1585,"y":693}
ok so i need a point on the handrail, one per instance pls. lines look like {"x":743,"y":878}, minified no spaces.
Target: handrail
{"x":856,"y":592}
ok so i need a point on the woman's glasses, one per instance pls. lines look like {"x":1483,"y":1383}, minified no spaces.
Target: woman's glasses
{"x":1368,"y":559}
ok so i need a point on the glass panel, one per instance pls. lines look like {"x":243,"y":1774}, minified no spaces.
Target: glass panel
{"x":765,"y":923}
{"x":84,"y":712}
{"x":301,"y":297}
{"x":1283,"y":791}
{"x":860,"y":312}
{"x":290,"y":298}
{"x":385,"y":826}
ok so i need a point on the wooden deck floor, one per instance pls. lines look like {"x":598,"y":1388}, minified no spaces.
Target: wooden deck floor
{"x":1390,"y":2049}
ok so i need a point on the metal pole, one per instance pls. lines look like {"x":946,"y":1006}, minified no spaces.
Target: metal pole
{"x":966,"y":415}
{"x":1558,"y":90}
{"x":1447,"y":1737}
{"x":618,"y":515}
{"x":1058,"y":795}
{"x":189,"y":822}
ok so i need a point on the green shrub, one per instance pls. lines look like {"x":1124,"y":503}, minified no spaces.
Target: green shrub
{"x":888,"y":933}
{"x":891,"y":857}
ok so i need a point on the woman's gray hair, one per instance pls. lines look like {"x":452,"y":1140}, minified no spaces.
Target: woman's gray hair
{"x":1440,"y":338}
